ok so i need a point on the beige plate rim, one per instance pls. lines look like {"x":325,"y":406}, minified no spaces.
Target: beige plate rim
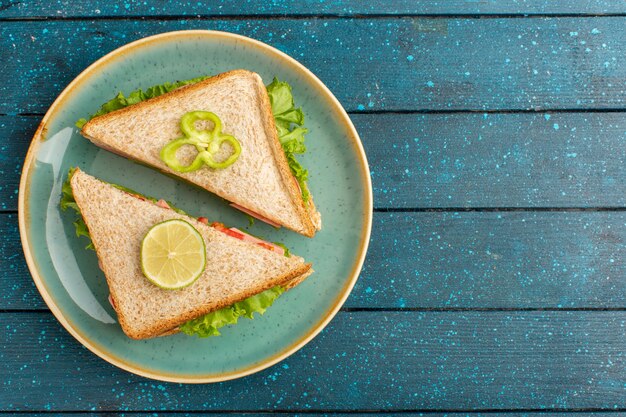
{"x":23,"y":214}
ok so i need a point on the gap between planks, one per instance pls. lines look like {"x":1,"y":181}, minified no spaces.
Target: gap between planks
{"x":466,"y":210}
{"x":384,"y":412}
{"x":415,"y":309}
{"x":330,"y":16}
{"x":430,"y":111}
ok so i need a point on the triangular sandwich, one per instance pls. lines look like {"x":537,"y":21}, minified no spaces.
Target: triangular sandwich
{"x":259,"y":182}
{"x":238,"y":265}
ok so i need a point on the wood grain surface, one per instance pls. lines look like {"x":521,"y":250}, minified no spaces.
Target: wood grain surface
{"x":390,"y":64}
{"x":64,"y":9}
{"x":495,"y":280}
{"x":361,"y":361}
{"x":338,"y":414}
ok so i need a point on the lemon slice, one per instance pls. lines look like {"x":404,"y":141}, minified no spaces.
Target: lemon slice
{"x":173,"y":254}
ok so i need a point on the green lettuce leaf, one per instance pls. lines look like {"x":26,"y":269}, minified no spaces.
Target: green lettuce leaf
{"x":289,"y":123}
{"x":280,"y":96}
{"x":293,"y":142}
{"x":120,"y":101}
{"x":208,"y":325}
{"x":68,"y":201}
{"x":301,"y":175}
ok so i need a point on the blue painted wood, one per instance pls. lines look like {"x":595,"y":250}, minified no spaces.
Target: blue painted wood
{"x":340,"y":414}
{"x":380,"y":64}
{"x":17,"y":290}
{"x":362,"y":361}
{"x":15,"y":138}
{"x":39,"y":8}
{"x":451,"y":260}
{"x":495,"y":260}
{"x":455,"y":160}
{"x":496,"y":160}
{"x":402,"y":360}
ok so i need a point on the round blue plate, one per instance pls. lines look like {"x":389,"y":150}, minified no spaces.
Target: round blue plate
{"x":68,"y":276}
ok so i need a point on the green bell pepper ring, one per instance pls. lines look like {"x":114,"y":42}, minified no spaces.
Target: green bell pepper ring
{"x":214,"y":147}
{"x":207,"y":142}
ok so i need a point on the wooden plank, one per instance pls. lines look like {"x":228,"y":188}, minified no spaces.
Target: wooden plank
{"x":496,"y":160}
{"x":456,"y":160}
{"x":363,"y":361}
{"x":381,"y":64}
{"x":337,"y":414}
{"x":495,"y":260}
{"x":452,"y":260}
{"x":39,"y":8}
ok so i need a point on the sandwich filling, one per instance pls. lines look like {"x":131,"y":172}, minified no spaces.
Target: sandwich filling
{"x":208,"y":324}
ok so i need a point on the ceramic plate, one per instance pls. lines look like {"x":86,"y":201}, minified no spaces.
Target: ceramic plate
{"x":68,"y":276}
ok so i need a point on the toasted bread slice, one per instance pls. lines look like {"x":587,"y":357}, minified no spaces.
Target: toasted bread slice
{"x":259,"y":181}
{"x":118,"y":221}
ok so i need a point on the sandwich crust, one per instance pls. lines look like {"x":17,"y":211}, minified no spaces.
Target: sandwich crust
{"x":279,"y":155}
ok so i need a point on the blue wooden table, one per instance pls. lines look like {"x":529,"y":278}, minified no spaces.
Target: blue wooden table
{"x":496,"y":275}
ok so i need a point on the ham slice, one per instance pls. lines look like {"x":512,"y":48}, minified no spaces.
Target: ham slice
{"x":255,"y":215}
{"x":162,"y":203}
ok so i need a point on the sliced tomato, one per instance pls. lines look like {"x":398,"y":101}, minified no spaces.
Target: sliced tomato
{"x":203,"y":220}
{"x":234,"y":233}
{"x":260,"y":242}
{"x":266,"y":246}
{"x":238,"y":234}
{"x":272,"y":247}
